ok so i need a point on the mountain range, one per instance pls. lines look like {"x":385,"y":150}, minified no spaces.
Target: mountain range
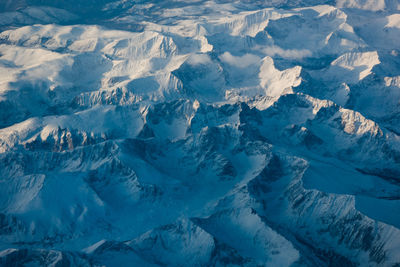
{"x":200,"y":133}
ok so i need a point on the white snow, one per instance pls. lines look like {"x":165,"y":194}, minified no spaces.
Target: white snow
{"x":201,"y":133}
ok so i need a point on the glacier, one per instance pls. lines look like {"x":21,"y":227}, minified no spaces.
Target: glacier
{"x":200,"y":133}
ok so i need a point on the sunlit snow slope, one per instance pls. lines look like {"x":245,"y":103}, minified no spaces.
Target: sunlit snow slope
{"x":200,"y":133}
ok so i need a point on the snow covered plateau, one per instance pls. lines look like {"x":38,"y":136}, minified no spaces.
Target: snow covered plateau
{"x":200,"y":133}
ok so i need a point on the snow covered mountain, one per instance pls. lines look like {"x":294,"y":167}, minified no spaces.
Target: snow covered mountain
{"x":200,"y":133}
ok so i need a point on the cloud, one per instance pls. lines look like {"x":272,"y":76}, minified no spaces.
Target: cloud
{"x":286,"y":53}
{"x":199,"y":59}
{"x":240,"y":61}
